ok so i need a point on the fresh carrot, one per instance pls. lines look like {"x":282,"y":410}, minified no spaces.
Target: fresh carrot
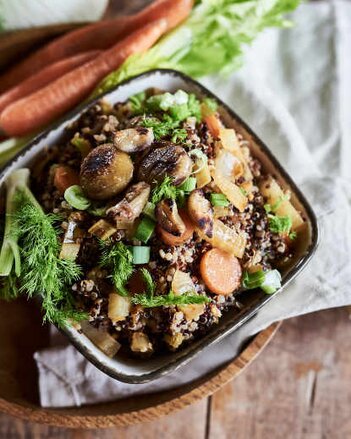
{"x":170,"y":239}
{"x":101,"y":36}
{"x":42,"y":107}
{"x":45,"y":76}
{"x":64,"y":177}
{"x":214,"y":125}
{"x":220,"y":271}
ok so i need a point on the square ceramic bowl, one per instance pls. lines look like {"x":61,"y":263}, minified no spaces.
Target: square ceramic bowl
{"x":132,"y":370}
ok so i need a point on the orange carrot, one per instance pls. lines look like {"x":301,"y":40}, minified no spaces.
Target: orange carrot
{"x":42,"y":107}
{"x":65,"y":177}
{"x":214,"y":125}
{"x":220,"y":271}
{"x":45,"y":76}
{"x":170,"y":239}
{"x":101,"y":35}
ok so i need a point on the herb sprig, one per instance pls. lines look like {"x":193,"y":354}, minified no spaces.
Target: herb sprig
{"x":42,"y":271}
{"x":118,"y":259}
{"x":149,"y":300}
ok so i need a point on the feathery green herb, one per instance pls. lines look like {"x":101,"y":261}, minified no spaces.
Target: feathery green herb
{"x":165,"y":189}
{"x":150,"y":284}
{"x":118,"y":259}
{"x":168,"y":300}
{"x":149,"y":300}
{"x":34,"y":268}
{"x":43,"y":272}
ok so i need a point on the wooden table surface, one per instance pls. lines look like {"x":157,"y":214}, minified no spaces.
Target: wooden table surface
{"x":299,"y":387}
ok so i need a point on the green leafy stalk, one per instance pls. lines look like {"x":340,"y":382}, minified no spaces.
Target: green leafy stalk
{"x":10,"y":254}
{"x":118,"y":259}
{"x":209,"y":41}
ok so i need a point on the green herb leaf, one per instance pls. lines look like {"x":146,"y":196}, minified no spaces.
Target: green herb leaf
{"x":118,"y":259}
{"x":279,"y":224}
{"x":165,"y":189}
{"x":150,"y":285}
{"x":42,"y":271}
{"x":168,"y":300}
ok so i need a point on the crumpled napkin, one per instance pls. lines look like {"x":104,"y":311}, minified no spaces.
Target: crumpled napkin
{"x":295,"y":92}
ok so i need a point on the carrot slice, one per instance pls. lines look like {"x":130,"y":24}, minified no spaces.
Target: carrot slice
{"x":64,"y":178}
{"x":214,"y":125}
{"x":170,"y":239}
{"x":220,"y":271}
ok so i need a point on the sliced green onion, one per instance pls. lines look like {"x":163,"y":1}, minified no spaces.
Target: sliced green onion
{"x":145,"y":229}
{"x":253,"y":280}
{"x":149,"y":210}
{"x":219,"y":200}
{"x":201,"y":159}
{"x":272,"y":282}
{"x":188,"y":185}
{"x":268,"y":281}
{"x":141,"y":254}
{"x":74,"y":196}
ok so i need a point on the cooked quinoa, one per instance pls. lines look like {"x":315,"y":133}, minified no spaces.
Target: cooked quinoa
{"x":133,"y":129}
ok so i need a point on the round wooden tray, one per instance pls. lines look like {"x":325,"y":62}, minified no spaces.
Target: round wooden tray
{"x":21,"y":334}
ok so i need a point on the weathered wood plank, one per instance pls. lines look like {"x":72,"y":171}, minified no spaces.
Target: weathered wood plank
{"x":187,"y":423}
{"x":298,"y":388}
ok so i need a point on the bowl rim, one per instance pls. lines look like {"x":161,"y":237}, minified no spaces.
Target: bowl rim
{"x":212,"y":336}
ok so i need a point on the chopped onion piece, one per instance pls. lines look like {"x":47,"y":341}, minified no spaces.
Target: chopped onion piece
{"x":275,"y":196}
{"x":101,"y":338}
{"x":226,"y":239}
{"x":118,"y":307}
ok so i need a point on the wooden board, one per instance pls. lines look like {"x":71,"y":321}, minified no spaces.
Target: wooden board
{"x":18,"y":378}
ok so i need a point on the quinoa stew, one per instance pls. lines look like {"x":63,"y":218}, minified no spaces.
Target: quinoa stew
{"x":149,"y":221}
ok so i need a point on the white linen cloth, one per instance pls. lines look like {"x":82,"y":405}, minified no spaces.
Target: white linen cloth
{"x":295,"y":92}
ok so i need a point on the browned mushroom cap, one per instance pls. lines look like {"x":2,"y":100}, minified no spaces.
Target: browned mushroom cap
{"x":166,"y":158}
{"x":133,"y":139}
{"x":168,"y":217}
{"x":105,"y":172}
{"x":201,"y":212}
{"x":127,"y":210}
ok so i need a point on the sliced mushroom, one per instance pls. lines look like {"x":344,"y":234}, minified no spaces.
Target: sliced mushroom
{"x":168,"y":217}
{"x":127,"y":210}
{"x":165,"y":159}
{"x":105,"y":172}
{"x":201,"y":212}
{"x":133,"y":139}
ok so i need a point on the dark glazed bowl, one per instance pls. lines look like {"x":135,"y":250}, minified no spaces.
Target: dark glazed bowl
{"x":131,"y":370}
